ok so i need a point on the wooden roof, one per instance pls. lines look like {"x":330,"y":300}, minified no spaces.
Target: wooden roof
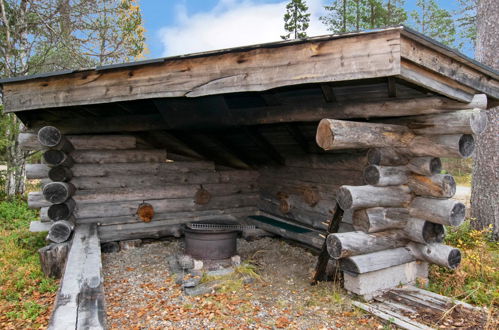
{"x":398,"y":54}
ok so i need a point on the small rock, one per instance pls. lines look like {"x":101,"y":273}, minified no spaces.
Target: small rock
{"x":236,"y":260}
{"x":186,"y":262}
{"x":110,"y":247}
{"x":220,"y":272}
{"x":198,"y":264}
{"x":130,"y":244}
{"x":191,"y":282}
{"x":204,"y":288}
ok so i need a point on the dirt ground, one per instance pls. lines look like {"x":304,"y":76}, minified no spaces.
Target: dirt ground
{"x":142,"y":294}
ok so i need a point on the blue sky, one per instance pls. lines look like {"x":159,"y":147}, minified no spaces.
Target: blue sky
{"x":184,"y":26}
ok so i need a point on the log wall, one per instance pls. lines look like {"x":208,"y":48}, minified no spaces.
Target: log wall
{"x":109,"y":177}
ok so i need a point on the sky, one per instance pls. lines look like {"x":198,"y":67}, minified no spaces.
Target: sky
{"x":175,"y":27}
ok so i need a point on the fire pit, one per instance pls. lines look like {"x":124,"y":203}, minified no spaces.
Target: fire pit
{"x":211,"y":240}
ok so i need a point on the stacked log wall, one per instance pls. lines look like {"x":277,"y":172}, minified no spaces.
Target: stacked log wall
{"x":111,"y":176}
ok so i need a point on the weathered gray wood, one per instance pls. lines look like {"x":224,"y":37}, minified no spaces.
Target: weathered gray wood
{"x":58,"y":192}
{"x":377,"y":260}
{"x":447,"y":212}
{"x":425,"y":165}
{"x":61,"y":211}
{"x":60,"y":231}
{"x":125,"y":208}
{"x":354,"y":243}
{"x":53,"y":259}
{"x":57,"y":158}
{"x":303,"y":175}
{"x":382,"y":176}
{"x":130,"y":231}
{"x":119,"y":156}
{"x":343,"y":161}
{"x":37,"y":171}
{"x":357,"y":197}
{"x":438,"y":185}
{"x":38,"y":226}
{"x":50,"y":137}
{"x":80,"y":300}
{"x":457,"y":122}
{"x":448,"y":146}
{"x":335,"y":134}
{"x":386,"y":157}
{"x":29,"y":141}
{"x":440,"y":254}
{"x":60,"y":173}
{"x":423,"y":231}
{"x":377,"y":219}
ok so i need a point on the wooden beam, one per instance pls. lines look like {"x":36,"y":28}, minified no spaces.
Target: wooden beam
{"x":392,"y":87}
{"x":264,"y":145}
{"x":355,"y":56}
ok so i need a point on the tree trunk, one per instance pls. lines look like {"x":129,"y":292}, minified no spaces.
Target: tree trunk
{"x":485,"y":191}
{"x":16,"y":158}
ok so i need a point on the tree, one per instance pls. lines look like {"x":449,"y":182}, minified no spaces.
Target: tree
{"x":466,"y":25}
{"x":47,"y":35}
{"x":355,"y":15}
{"x":485,"y":190}
{"x":296,"y":19}
{"x":433,"y":21}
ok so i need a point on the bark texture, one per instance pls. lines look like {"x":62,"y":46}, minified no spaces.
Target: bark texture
{"x":485,"y":190}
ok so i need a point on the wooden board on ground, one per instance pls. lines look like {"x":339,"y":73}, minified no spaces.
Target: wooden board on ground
{"x":410,"y":307}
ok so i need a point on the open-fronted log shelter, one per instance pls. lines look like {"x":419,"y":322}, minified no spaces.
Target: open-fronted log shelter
{"x":282,"y":135}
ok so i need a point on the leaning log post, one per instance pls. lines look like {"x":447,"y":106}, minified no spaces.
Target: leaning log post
{"x":447,"y":212}
{"x":358,"y":197}
{"x":58,"y":192}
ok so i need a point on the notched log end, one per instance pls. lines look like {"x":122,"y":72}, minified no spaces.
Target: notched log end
{"x":457,"y":214}
{"x":435,"y":165}
{"x":454,"y":258}
{"x":344,"y":198}
{"x":433,"y":232}
{"x":371,"y":175}
{"x":49,"y":136}
{"x":324,"y":136}
{"x":466,"y":145}
{"x":334,"y":247}
{"x":145,"y":212}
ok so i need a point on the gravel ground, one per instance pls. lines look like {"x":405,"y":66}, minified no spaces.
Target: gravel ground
{"x":142,"y":294}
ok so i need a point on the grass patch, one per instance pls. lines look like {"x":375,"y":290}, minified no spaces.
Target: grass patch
{"x":476,"y":280}
{"x":26,"y":292}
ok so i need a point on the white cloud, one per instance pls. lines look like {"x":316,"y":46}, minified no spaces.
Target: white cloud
{"x":231,"y":23}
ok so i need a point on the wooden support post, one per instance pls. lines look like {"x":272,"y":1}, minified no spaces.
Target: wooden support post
{"x":53,"y":259}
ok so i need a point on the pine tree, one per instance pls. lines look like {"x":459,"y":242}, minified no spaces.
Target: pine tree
{"x":433,"y":21}
{"x":296,"y":19}
{"x":466,"y":25}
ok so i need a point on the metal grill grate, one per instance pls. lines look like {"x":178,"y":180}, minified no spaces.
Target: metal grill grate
{"x":213,"y":226}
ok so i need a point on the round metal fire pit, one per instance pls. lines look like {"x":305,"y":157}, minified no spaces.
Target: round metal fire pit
{"x":218,"y":240}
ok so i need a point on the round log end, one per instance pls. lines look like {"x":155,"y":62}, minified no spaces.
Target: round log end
{"x":60,"y":231}
{"x":49,"y":136}
{"x":372,"y":175}
{"x":344,"y":198}
{"x":324,"y":136}
{"x":334,"y":246}
{"x":60,"y":173}
{"x":448,"y":186}
{"x":454,"y":258}
{"x":56,"y":192}
{"x":466,"y":145}
{"x":145,"y":212}
{"x":433,"y":232}
{"x":457,"y":214}
{"x":435,"y":165}
{"x":54,"y":157}
{"x":202,"y":196}
{"x":374,"y":156}
{"x":348,"y":265}
{"x":58,"y":212}
{"x":478,"y":122}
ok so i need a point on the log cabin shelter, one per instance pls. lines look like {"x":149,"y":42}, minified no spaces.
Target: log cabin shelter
{"x":275,"y":135}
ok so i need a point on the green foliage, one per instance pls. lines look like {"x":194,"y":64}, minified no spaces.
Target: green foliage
{"x":476,"y":280}
{"x":356,"y":15}
{"x":465,"y":18}
{"x":296,"y":19}
{"x":433,"y":21}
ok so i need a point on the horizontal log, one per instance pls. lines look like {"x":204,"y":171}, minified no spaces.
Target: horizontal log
{"x":60,"y":231}
{"x":50,"y":137}
{"x":440,"y":254}
{"x":57,"y":158}
{"x":343,"y":161}
{"x":114,"y":209}
{"x":370,"y":262}
{"x":377,"y":219}
{"x":448,"y":146}
{"x":382,"y":176}
{"x":341,"y":245}
{"x":119,"y":156}
{"x":61,"y":211}
{"x":29,"y":141}
{"x":423,"y":231}
{"x":60,"y":173}
{"x":456,"y":122}
{"x":425,"y":165}
{"x":177,"y":217}
{"x":123,"y":232}
{"x":315,"y":175}
{"x":438,"y":185}
{"x":357,"y":197}
{"x":447,"y":212}
{"x":386,"y":157}
{"x":37,"y":171}
{"x":335,"y":134}
{"x":38,"y":226}
{"x":58,"y":192}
